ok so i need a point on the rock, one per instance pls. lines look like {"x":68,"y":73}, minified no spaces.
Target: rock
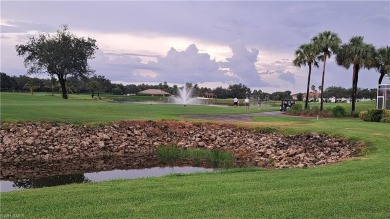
{"x":29,"y":141}
{"x":6,"y":140}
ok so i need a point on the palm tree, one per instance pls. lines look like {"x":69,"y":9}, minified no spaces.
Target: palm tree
{"x":31,"y":85}
{"x":306,"y":55}
{"x":328,"y":44}
{"x":358,"y":54}
{"x":383,"y":62}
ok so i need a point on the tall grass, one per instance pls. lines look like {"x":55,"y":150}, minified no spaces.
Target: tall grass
{"x":197,"y":156}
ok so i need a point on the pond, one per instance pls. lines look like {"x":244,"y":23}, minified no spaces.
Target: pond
{"x":55,"y":180}
{"x":45,"y":173}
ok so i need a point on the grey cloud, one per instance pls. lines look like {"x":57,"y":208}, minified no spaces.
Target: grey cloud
{"x":22,"y":27}
{"x":242,"y":64}
{"x":278,"y":27}
{"x":132,"y":54}
{"x":287,"y":76}
{"x":187,"y":66}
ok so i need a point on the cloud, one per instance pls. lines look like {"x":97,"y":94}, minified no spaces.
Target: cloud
{"x":250,"y":42}
{"x":287,"y":76}
{"x":189,"y":65}
{"x":242,"y":65}
{"x":23,"y":27}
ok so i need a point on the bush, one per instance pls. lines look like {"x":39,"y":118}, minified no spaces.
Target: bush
{"x":339,"y":111}
{"x":363,"y":115}
{"x":374,"y":115}
{"x":297,"y":107}
{"x":355,"y":114}
{"x":314,"y":108}
{"x":386,"y":116}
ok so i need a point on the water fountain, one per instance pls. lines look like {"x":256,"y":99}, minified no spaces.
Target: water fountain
{"x":184,"y":96}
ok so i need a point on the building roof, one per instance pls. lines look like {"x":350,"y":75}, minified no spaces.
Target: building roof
{"x":154,"y":92}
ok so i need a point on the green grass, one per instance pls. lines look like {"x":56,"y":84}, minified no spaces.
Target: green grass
{"x":360,"y":106}
{"x":197,"y":156}
{"x":80,"y":109}
{"x":356,"y":188}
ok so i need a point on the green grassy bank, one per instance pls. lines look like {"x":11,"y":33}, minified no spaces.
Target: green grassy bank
{"x":356,"y":188}
{"x":21,"y":107}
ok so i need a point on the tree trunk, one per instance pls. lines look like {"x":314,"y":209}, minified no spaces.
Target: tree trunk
{"x":63,"y":87}
{"x":354,"y":86}
{"x":307,"y":89}
{"x":381,"y":78}
{"x":322,"y":84}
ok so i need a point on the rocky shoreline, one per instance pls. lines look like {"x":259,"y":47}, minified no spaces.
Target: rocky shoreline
{"x":48,"y":142}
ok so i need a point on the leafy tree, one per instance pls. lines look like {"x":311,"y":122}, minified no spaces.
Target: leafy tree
{"x":32,"y":85}
{"x":53,"y":83}
{"x":306,"y":54}
{"x":61,"y":55}
{"x":358,"y":54}
{"x":337,"y":92}
{"x":328,"y":43}
{"x":300,"y":97}
{"x":383,"y":62}
{"x":7,"y":82}
{"x":132,"y":89}
{"x":373,"y":93}
{"x":21,"y":81}
{"x":238,"y":90}
{"x":221,"y":92}
{"x":280,"y":95}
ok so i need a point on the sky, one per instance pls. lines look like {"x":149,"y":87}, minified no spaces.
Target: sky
{"x":209,"y":43}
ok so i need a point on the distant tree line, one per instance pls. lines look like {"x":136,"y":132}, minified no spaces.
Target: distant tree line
{"x":97,"y":84}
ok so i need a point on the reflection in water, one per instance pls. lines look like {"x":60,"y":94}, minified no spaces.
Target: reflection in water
{"x":50,"y":181}
{"x":24,"y":175}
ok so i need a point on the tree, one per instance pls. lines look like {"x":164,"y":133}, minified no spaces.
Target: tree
{"x":221,"y":92}
{"x":7,"y":82}
{"x":239,"y":90}
{"x":300,"y":96}
{"x":53,"y":82}
{"x":61,"y":55}
{"x":328,"y":43}
{"x":383,"y":62}
{"x":280,"y":95}
{"x":306,"y":54}
{"x":358,"y":54}
{"x":32,"y":85}
{"x":337,"y":92}
{"x":313,"y":88}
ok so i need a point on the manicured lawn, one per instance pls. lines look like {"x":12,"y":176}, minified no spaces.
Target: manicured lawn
{"x":357,"y":188}
{"x":17,"y":107}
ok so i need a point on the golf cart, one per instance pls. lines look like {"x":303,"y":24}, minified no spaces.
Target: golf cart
{"x":286,"y":104}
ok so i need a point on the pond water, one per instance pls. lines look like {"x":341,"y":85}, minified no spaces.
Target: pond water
{"x":38,"y":173}
{"x":48,"y":181}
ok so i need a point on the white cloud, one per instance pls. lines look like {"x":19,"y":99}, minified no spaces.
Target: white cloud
{"x":250,"y":42}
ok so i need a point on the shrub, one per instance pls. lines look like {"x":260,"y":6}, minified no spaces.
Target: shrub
{"x":363,"y":115}
{"x":339,"y":111}
{"x":374,"y":115}
{"x":355,"y":114}
{"x":314,"y":109}
{"x":297,"y":107}
{"x":386,"y":116}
